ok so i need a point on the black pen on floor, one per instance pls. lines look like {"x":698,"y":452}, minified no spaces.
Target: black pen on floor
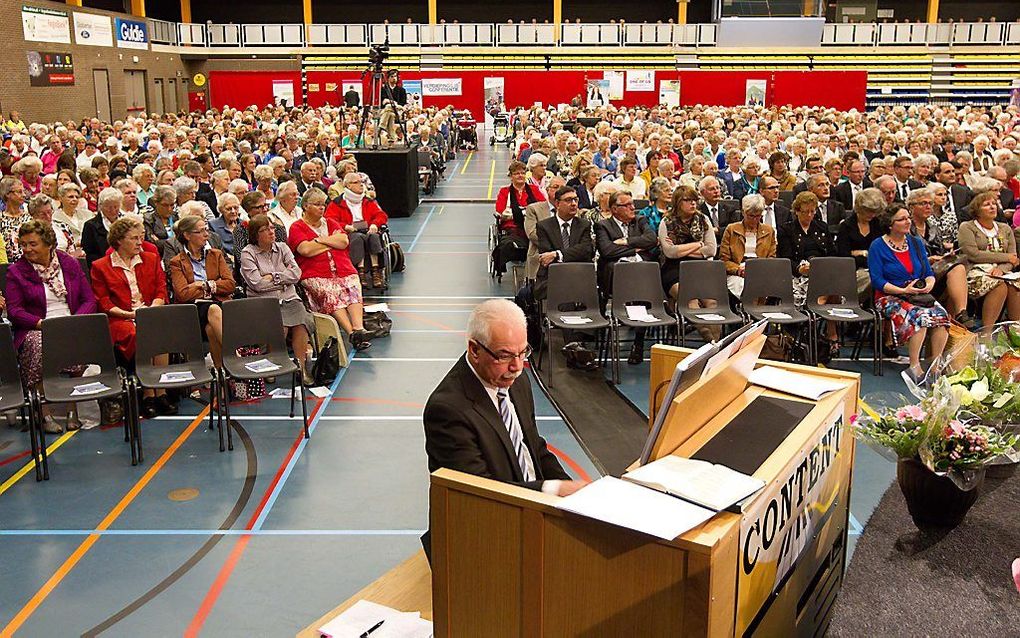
{"x":374,"y":627}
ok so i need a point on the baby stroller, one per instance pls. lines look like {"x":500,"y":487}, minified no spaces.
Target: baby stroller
{"x":467,"y":136}
{"x":502,"y":132}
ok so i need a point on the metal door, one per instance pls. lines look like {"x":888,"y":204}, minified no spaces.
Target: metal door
{"x":134,"y":91}
{"x":101,"y":84}
{"x":157,"y":96}
{"x":171,"y":96}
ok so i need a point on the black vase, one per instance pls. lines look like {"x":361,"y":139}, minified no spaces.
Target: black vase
{"x":932,"y":500}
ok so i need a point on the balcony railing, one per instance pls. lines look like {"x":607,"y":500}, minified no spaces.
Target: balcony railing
{"x":570,"y":34}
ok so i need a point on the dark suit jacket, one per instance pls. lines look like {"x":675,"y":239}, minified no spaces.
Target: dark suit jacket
{"x":641,"y":239}
{"x":464,"y":432}
{"x":585,"y":199}
{"x":207,"y":195}
{"x":729,"y":212}
{"x":93,"y":239}
{"x":783,"y":213}
{"x":549,"y":238}
{"x":834,"y":215}
{"x":843,"y":193}
{"x":302,"y":188}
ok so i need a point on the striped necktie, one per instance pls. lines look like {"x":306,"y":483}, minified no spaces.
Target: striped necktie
{"x":509,"y":416}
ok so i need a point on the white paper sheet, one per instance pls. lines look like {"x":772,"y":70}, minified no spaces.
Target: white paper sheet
{"x":575,"y":320}
{"x":800,"y":385}
{"x":842,"y":312}
{"x":710,"y":317}
{"x":640,"y":313}
{"x":633,"y":506}
{"x":776,"y":315}
{"x":262,"y":365}
{"x":86,"y":389}
{"x":320,"y":391}
{"x":377,"y":307}
{"x":363,"y":615}
{"x":176,"y":377}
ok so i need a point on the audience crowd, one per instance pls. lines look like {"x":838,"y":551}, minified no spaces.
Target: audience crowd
{"x":923,"y":198}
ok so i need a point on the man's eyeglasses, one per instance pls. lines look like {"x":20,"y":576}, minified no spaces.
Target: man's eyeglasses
{"x":568,"y":200}
{"x":506,"y":357}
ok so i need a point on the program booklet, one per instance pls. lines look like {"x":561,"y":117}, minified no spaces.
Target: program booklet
{"x":716,"y":487}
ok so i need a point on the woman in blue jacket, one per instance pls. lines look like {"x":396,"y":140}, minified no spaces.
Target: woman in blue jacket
{"x":903,"y":280}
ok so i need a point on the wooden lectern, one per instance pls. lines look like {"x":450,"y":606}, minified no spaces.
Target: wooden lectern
{"x":507,"y":562}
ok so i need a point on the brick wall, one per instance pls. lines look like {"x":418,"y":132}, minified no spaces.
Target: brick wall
{"x":45,"y":104}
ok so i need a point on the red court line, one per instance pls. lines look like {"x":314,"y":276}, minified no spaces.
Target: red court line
{"x":11,"y":459}
{"x":571,"y":463}
{"x":235,"y":554}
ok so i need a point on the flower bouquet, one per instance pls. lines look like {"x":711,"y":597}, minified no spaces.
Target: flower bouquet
{"x":941,"y":449}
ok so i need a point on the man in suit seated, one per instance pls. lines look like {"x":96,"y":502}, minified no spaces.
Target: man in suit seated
{"x":812,"y":166}
{"x":903,"y":169}
{"x":561,"y":238}
{"x":959,"y":195}
{"x":776,"y":212}
{"x":310,"y":178}
{"x":846,"y":192}
{"x":626,"y":236}
{"x":721,"y":212}
{"x":829,"y":210}
{"x":480,"y":419}
{"x":533,"y":214}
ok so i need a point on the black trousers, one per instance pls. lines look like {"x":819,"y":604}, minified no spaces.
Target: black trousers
{"x":363,"y":242}
{"x":511,"y":248}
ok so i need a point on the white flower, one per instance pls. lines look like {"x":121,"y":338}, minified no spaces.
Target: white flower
{"x":979,"y":391}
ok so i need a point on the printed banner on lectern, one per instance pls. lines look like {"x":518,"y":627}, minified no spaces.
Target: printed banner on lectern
{"x":782,"y":521}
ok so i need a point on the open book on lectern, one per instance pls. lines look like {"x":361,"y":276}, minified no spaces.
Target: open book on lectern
{"x":710,"y":485}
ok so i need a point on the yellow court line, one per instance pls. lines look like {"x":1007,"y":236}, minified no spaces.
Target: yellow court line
{"x":467,"y":161}
{"x":6,"y":485}
{"x":91,"y":539}
{"x":492,"y":175}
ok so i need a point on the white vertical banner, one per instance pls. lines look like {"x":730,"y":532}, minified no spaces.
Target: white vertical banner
{"x":615,"y":79}
{"x":494,"y":97}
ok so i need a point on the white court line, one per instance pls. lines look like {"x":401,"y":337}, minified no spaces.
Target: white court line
{"x":364,"y":359}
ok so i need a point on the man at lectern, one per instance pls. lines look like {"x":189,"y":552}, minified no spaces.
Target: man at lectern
{"x":481,"y":418}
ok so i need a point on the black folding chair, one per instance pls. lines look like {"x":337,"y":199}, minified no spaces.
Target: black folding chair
{"x":637,"y":284}
{"x":14,"y":397}
{"x":768,"y":288}
{"x":172,"y":329}
{"x":701,"y":279}
{"x":572,"y":291}
{"x":837,"y":277}
{"x":79,"y":340}
{"x":257,"y":321}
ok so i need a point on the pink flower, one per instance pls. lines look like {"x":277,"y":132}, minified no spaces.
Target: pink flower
{"x":1016,"y":574}
{"x":957,"y":427}
{"x":853,"y":418}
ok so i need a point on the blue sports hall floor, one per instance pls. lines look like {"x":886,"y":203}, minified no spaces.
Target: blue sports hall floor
{"x":263,"y":540}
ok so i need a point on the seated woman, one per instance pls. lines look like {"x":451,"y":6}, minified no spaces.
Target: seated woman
{"x":361,"y":218}
{"x":990,"y":248}
{"x":746,"y":239}
{"x":40,"y":207}
{"x":749,"y":183}
{"x":286,"y":210}
{"x":950,"y":272}
{"x":660,"y":197}
{"x":14,"y":195}
{"x":200,"y":275}
{"x":159,"y":224}
{"x":800,"y":240}
{"x":900,"y":275}
{"x":127,"y":279}
{"x":327,"y":274}
{"x":94,"y":232}
{"x":72,"y":211}
{"x":686,"y":234}
{"x":510,"y":204}
{"x":229,"y":209}
{"x":856,"y":234}
{"x":44,"y":283}
{"x":268,"y":269}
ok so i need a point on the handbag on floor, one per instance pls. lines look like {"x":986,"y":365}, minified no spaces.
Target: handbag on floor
{"x":396,"y":257}
{"x":327,"y":365}
{"x":247,"y":389}
{"x":377,"y":324}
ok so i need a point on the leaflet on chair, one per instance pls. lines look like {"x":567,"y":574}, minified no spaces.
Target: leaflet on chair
{"x":262,"y":365}
{"x":575,"y":320}
{"x":716,"y":487}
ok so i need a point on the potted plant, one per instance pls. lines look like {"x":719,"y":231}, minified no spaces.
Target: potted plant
{"x":941,"y":452}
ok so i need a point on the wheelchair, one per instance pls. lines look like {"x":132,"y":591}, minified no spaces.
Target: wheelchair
{"x":515,"y":267}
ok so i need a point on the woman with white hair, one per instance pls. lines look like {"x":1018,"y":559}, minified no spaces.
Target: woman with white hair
{"x":983,"y":159}
{"x":264,"y":181}
{"x":285,"y":210}
{"x":71,"y":209}
{"x":145,"y":176}
{"x":746,"y":239}
{"x":30,"y":169}
{"x":537,"y":173}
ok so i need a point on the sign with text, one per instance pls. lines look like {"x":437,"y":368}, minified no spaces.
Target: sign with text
{"x":132,"y":34}
{"x":441,"y":87}
{"x":781,"y":522}
{"x":640,"y":80}
{"x":92,"y":30}
{"x":45,"y":25}
{"x":46,"y":68}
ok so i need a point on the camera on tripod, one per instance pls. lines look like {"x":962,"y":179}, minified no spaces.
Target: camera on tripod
{"x":378,"y":52}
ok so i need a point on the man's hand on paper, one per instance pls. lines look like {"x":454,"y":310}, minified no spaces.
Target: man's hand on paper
{"x":569,"y":487}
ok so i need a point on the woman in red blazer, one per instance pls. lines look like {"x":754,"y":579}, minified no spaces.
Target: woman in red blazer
{"x":126,"y":279}
{"x":361,"y":219}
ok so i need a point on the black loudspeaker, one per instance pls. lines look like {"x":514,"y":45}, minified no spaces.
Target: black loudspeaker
{"x":394,"y":173}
